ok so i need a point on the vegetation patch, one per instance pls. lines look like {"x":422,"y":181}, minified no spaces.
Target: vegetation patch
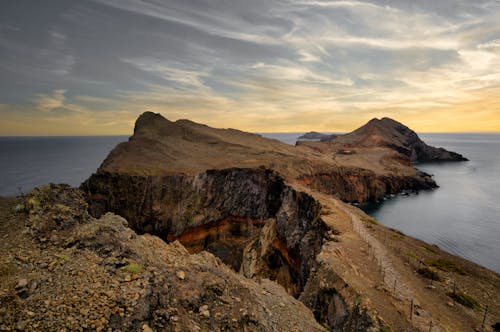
{"x":429,"y":274}
{"x":429,"y":249}
{"x":444,"y":265}
{"x":464,"y":299}
{"x":19,"y":208}
{"x":411,"y":254}
{"x":33,"y":202}
{"x":63,"y":257}
{"x":133,"y":268}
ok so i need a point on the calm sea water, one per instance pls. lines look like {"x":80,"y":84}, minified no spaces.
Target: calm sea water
{"x":461,"y":217}
{"x":27,"y":162}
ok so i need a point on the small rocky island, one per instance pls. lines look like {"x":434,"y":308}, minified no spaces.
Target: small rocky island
{"x":191,"y":228}
{"x":314,"y":135}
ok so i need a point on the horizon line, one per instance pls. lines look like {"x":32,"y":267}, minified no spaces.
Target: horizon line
{"x":254,"y":132}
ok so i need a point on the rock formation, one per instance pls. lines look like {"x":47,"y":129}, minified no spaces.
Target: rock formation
{"x":314,"y":135}
{"x":82,"y":273}
{"x":389,"y":133}
{"x":160,"y":147}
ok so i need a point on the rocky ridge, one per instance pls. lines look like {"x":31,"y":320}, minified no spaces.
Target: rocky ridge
{"x":137,"y":282}
{"x":160,"y":147}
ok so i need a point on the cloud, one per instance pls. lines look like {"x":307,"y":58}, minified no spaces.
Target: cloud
{"x":47,"y":103}
{"x":249,"y":64}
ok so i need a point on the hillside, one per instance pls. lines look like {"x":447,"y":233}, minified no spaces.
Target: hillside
{"x":389,"y":133}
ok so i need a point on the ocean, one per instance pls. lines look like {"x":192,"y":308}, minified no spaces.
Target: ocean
{"x":28,"y":162}
{"x":462,"y":216}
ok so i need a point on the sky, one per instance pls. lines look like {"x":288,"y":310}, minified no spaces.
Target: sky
{"x":91,"y":67}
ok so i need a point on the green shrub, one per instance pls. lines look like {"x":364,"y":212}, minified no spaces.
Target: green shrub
{"x":464,"y":299}
{"x":429,"y":273}
{"x":444,"y":265}
{"x":33,"y":202}
{"x":429,"y":249}
{"x":133,"y":268}
{"x":18,"y":208}
{"x":411,"y":254}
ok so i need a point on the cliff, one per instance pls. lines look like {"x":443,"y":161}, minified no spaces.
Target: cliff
{"x":220,"y":211}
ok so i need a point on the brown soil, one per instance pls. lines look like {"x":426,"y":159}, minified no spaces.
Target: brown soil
{"x":381,"y":264}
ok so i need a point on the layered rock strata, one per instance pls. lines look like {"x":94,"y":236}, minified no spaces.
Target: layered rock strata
{"x":221,"y":211}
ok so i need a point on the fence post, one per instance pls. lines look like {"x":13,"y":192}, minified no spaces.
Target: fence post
{"x":484,"y":317}
{"x":411,"y":309}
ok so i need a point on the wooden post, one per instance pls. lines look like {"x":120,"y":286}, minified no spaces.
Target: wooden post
{"x":411,"y":309}
{"x":484,"y":317}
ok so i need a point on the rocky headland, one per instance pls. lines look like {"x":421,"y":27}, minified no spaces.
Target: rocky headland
{"x":388,"y":133}
{"x":314,"y":135}
{"x":192,"y":228}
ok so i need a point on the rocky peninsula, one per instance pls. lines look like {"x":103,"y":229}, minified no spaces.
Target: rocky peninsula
{"x":314,"y":135}
{"x":191,"y":228}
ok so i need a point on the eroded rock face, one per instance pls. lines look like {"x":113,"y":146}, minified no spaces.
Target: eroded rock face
{"x":221,"y":211}
{"x":360,"y":185}
{"x":335,"y":304}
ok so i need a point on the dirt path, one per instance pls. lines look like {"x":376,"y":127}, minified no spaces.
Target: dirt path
{"x":373,"y":260}
{"x":391,"y":278}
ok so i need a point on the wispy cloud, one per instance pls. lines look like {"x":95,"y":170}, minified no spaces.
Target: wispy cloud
{"x":257,"y":65}
{"x":51,"y":102}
